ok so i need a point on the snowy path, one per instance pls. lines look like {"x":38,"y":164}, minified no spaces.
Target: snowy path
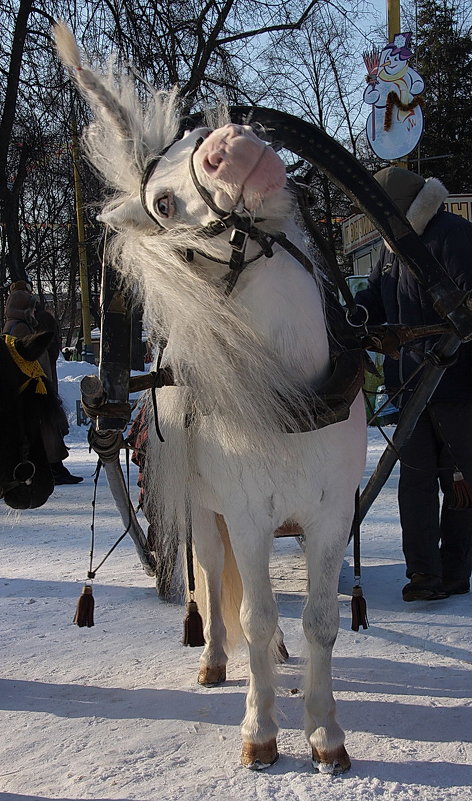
{"x":114,"y":712}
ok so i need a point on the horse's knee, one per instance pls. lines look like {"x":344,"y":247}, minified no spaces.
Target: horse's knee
{"x":320,"y":628}
{"x":259,"y":622}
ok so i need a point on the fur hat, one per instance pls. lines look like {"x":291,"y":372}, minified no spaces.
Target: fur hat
{"x":419,"y":199}
{"x":23,"y":285}
{"x":401,"y":185}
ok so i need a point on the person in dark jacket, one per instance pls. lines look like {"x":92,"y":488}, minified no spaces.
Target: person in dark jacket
{"x":21,"y":309}
{"x":436,"y":534}
{"x":45,"y":321}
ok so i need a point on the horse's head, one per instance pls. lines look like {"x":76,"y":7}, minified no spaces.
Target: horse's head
{"x":189,"y":215}
{"x":230,"y":167}
{"x":188,"y":181}
{"x":26,"y":481}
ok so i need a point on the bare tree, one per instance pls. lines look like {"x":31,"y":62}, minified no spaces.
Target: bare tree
{"x":11,"y":183}
{"x":323,"y":83}
{"x":195,"y":45}
{"x":295,"y":56}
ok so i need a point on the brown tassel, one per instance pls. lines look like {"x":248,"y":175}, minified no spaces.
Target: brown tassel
{"x":358,"y":609}
{"x":85,"y":604}
{"x":461,"y":493}
{"x":193,"y":626}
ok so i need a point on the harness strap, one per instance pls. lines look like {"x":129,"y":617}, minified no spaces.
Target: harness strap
{"x":331,"y":403}
{"x":204,"y":193}
{"x":324,"y":406}
{"x":148,"y":170}
{"x":287,"y":245}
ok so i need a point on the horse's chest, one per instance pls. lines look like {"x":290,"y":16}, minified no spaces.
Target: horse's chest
{"x":221,"y":475}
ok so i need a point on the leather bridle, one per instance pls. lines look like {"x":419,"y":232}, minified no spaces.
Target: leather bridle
{"x":240,"y":219}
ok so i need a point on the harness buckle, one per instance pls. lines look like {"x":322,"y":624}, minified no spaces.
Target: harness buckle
{"x":216,"y":227}
{"x":358,"y":317}
{"x":238,"y":240}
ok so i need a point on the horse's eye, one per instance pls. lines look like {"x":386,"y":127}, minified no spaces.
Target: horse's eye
{"x":164,"y":205}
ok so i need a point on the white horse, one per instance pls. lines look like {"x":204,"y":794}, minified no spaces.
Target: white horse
{"x":245,"y":365}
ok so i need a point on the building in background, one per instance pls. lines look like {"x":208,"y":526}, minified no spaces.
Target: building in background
{"x":362,"y":242}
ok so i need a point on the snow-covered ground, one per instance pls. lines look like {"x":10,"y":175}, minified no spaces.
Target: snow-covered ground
{"x":114,"y":712}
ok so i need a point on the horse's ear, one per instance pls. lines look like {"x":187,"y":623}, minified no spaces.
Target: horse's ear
{"x":128,"y":214}
{"x":33,"y":345}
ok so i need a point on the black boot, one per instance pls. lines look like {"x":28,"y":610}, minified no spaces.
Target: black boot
{"x":424,"y":588}
{"x":62,"y":476}
{"x":456,"y":586}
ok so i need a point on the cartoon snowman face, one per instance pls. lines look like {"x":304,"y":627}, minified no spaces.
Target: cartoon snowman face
{"x":390,"y":65}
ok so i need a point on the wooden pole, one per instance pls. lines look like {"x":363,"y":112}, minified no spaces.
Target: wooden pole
{"x":393,"y":27}
{"x":393,"y":18}
{"x":115,"y":347}
{"x":87,"y":352}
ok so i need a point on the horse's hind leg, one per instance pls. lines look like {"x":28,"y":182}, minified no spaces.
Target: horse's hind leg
{"x":320,"y":623}
{"x":278,"y":648}
{"x":259,"y":621}
{"x":209,"y":549}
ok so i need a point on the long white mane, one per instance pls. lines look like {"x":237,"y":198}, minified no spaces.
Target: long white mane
{"x":216,"y":350}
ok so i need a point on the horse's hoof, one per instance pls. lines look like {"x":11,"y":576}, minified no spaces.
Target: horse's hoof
{"x":209,"y":676}
{"x":259,"y":756}
{"x":331,"y":762}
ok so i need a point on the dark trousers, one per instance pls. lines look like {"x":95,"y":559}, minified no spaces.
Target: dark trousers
{"x":436,"y":540}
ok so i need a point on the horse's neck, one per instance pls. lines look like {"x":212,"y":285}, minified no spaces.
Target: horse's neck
{"x":285,"y":306}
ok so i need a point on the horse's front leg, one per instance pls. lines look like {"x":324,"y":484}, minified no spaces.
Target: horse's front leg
{"x":209,"y":549}
{"x":258,"y":621}
{"x":324,"y":556}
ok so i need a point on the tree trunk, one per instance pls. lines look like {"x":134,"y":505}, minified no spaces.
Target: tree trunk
{"x":9,"y":196}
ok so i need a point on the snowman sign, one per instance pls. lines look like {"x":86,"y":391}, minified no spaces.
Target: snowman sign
{"x":395,"y":124}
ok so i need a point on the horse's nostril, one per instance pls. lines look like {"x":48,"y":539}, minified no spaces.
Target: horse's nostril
{"x":212,"y":162}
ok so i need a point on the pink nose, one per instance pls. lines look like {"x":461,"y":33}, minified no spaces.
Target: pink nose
{"x":226,"y":144}
{"x":237,"y":157}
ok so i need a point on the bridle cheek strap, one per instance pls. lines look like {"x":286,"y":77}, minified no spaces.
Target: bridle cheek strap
{"x":148,"y":170}
{"x":202,"y":191}
{"x":241,"y":222}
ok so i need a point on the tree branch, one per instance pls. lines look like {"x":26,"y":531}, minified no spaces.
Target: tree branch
{"x":287,"y":26}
